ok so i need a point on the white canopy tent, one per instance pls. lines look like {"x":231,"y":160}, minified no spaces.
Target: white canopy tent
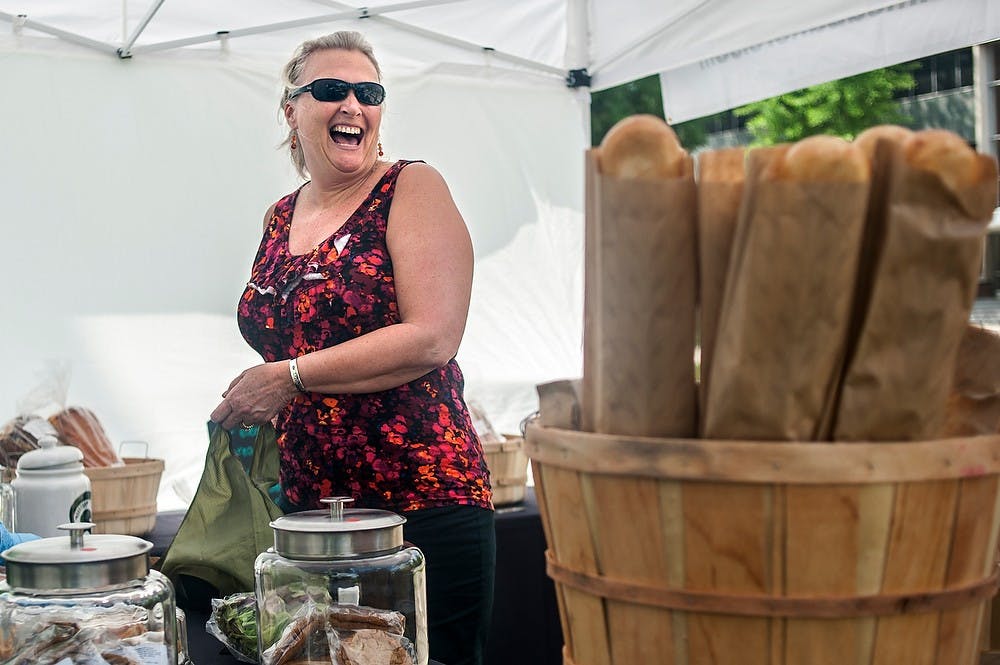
{"x":139,"y":136}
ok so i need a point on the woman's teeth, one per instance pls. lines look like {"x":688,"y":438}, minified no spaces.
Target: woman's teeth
{"x":345,"y":134}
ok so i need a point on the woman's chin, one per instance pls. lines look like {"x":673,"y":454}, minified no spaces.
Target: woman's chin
{"x":349,"y":160}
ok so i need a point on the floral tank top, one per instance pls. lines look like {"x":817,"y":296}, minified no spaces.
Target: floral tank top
{"x":406,"y":448}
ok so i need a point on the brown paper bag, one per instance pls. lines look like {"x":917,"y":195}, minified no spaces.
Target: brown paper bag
{"x":720,"y":191}
{"x":923,"y":286}
{"x":639,"y":321}
{"x":786,"y":307}
{"x":973,"y":405}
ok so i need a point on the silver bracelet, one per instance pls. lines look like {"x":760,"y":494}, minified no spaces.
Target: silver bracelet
{"x":293,"y":369}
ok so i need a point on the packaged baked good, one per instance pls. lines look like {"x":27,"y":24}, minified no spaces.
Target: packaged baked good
{"x":973,"y":406}
{"x":785,"y":311}
{"x":318,"y":631}
{"x":21,"y":435}
{"x":79,"y":427}
{"x":368,"y":646}
{"x":937,"y":200}
{"x":720,"y":192}
{"x":641,"y":284}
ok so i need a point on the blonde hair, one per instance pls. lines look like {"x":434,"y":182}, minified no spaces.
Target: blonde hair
{"x":344,"y":40}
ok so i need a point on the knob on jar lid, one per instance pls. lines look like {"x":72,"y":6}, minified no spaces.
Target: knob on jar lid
{"x":338,"y":532}
{"x":77,"y":562}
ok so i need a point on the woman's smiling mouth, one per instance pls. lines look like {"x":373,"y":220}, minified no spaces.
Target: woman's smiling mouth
{"x":346,"y":135}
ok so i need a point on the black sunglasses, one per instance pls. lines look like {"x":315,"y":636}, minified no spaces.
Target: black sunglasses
{"x":335,"y":90}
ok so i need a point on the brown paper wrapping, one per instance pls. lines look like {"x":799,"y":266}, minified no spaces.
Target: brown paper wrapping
{"x":897,"y":382}
{"x":639,"y":308}
{"x":973,"y":406}
{"x":782,"y":332}
{"x":718,"y":211}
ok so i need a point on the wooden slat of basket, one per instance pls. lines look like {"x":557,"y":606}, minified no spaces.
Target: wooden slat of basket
{"x":134,"y":466}
{"x":731,"y":550}
{"x":626,"y":514}
{"x":558,"y":406}
{"x":875,"y":503}
{"x":672,"y":521}
{"x":543,"y":510}
{"x":917,"y":558}
{"x":766,"y":461}
{"x":125,"y":513}
{"x":586,"y":636}
{"x":821,"y":540}
{"x":967,"y":562}
{"x":777,"y":553}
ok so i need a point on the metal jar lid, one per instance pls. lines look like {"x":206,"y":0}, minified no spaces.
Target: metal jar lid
{"x":337,"y":533}
{"x":77,"y":563}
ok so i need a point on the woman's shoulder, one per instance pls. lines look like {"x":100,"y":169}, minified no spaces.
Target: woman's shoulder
{"x":418,"y":175}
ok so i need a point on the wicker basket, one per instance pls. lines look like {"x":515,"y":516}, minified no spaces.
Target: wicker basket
{"x":123,"y":498}
{"x":508,"y":469}
{"x":680,"y":552}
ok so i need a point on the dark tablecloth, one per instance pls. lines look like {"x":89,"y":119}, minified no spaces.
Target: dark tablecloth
{"x":525,"y":628}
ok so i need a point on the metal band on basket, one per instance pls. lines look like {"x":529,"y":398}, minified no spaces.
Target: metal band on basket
{"x":798,"y":607}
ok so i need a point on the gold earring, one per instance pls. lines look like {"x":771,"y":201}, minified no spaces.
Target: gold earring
{"x":380,"y":153}
{"x":294,"y":144}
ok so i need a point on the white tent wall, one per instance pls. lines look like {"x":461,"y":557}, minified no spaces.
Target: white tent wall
{"x":134,"y":193}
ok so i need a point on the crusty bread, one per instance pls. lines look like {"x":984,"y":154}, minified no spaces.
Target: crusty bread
{"x":946,"y":155}
{"x":820,"y":159}
{"x":868,"y":139}
{"x":79,"y":427}
{"x":721,"y":166}
{"x":642,"y":147}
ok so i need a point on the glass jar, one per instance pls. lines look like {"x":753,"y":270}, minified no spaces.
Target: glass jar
{"x":77,"y":600}
{"x":339,"y":585}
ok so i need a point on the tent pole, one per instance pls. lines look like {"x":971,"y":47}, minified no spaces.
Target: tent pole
{"x":126,"y":50}
{"x":369,"y":13}
{"x":578,"y":57}
{"x":452,"y":41}
{"x":65,"y":35}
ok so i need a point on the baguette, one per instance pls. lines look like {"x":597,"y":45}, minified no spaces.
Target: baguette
{"x":726,"y":166}
{"x":868,"y":139}
{"x":820,"y":159}
{"x":642,"y":147}
{"x":946,"y":155}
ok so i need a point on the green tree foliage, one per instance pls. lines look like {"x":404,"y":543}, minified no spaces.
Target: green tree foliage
{"x":843,"y":108}
{"x":641,"y":96}
{"x":609,"y":106}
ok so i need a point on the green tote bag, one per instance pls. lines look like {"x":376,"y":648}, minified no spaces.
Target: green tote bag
{"x":227,"y":524}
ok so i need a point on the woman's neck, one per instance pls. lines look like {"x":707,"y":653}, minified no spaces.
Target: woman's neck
{"x":338,"y":187}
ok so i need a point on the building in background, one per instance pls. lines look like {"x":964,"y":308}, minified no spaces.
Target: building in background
{"x":986,"y":105}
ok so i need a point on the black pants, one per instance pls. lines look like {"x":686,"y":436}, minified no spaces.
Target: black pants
{"x":459,"y":545}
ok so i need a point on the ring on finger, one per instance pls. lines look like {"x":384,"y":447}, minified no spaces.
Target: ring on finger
{"x":246,"y":426}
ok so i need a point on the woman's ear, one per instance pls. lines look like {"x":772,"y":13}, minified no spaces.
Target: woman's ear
{"x":290,"y":115}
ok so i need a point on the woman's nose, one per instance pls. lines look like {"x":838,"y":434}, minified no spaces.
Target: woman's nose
{"x":350,"y":105}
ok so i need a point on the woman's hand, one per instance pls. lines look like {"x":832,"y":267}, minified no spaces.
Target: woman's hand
{"x":255,"y":396}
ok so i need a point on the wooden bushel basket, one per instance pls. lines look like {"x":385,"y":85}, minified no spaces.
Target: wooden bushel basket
{"x":508,"y":469}
{"x":751,"y":553}
{"x":123,"y":498}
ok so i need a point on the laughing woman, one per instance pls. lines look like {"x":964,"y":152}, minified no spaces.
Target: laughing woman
{"x":357,"y":302}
